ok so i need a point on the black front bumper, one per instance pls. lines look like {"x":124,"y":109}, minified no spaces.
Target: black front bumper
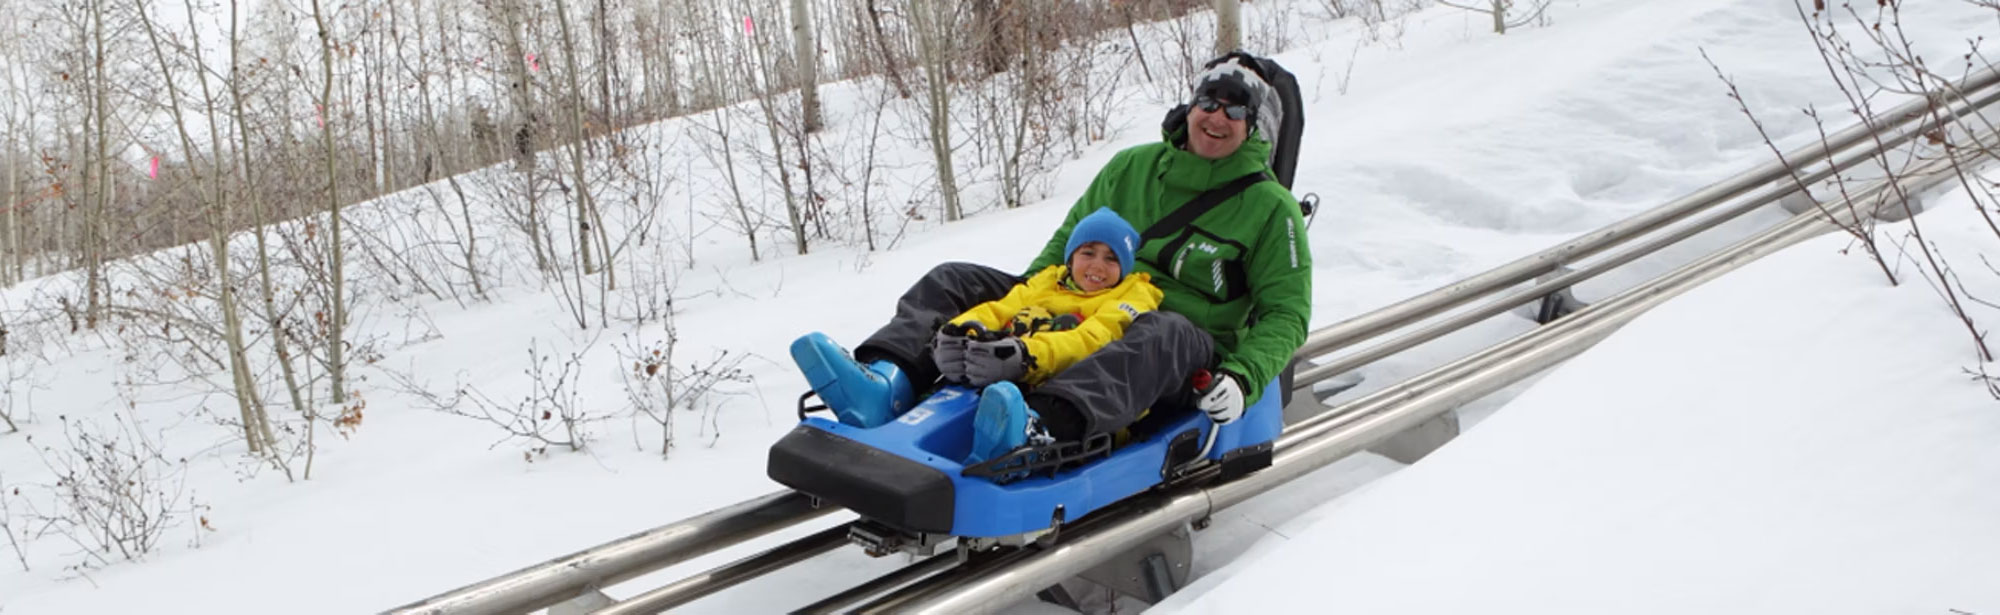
{"x":880,"y":486}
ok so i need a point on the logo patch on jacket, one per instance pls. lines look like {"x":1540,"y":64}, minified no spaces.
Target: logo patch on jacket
{"x":1292,"y":241}
{"x":1129,"y":310}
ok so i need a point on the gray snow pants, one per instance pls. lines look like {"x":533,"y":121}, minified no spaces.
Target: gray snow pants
{"x":1101,"y":394}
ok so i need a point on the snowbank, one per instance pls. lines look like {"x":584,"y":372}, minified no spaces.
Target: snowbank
{"x":1795,"y":437}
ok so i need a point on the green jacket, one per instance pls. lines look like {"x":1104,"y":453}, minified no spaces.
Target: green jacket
{"x":1240,"y":271}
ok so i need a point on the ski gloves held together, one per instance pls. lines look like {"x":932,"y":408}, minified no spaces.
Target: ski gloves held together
{"x":970,"y":354}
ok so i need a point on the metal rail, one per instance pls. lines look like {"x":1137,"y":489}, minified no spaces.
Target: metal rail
{"x":1307,"y":445}
{"x":695,"y":587}
{"x":1335,"y":435}
{"x":560,"y":579}
{"x":881,"y":585}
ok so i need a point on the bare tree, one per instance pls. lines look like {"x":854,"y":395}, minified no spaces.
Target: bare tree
{"x":770,"y":75}
{"x":94,"y":243}
{"x":654,"y":29}
{"x":526,"y":135}
{"x":933,"y":24}
{"x":256,"y":424}
{"x":549,"y":414}
{"x":1229,"y":25}
{"x":17,"y":377}
{"x":607,"y":69}
{"x":657,"y":385}
{"x":888,"y":55}
{"x":336,"y":349}
{"x":1883,"y":60}
{"x":582,"y":188}
{"x":115,"y":493}
{"x":273,"y":319}
{"x":585,"y":210}
{"x":858,"y":171}
{"x":12,"y":150}
{"x":718,"y":140}
{"x":1504,"y":14}
{"x":806,"y":54}
{"x":7,"y":527}
{"x":527,"y":129}
{"x":991,"y":43}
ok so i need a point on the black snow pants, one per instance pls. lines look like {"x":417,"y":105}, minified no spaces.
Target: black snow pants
{"x":1099,"y":395}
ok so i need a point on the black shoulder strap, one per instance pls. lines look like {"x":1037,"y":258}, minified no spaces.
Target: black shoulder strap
{"x":1199,"y":205}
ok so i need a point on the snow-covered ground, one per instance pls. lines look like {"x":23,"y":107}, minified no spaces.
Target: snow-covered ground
{"x":1796,"y":437}
{"x":1802,"y":438}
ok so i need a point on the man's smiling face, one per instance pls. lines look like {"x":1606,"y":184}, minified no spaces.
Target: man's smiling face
{"x":1211,"y":134}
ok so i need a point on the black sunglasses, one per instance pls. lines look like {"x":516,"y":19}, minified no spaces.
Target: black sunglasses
{"x":1210,"y":104}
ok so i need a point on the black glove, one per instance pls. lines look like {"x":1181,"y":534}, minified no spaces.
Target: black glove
{"x":987,"y":362}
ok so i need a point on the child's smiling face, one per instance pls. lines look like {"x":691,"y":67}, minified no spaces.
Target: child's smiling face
{"x":1094,"y":267}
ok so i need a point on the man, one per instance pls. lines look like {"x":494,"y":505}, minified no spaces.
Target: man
{"x":1237,"y":285}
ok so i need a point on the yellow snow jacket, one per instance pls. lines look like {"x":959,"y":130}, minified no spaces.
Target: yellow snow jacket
{"x":1060,"y":326}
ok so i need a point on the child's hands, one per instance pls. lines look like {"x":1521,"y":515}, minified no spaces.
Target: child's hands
{"x":948,"y":350}
{"x":987,"y":362}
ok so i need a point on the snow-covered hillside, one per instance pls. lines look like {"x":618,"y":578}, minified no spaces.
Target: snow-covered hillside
{"x":1764,"y":466}
{"x":1795,"y":437}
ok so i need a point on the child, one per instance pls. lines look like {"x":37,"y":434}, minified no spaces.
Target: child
{"x":1044,"y":324}
{"x":1054,"y":319}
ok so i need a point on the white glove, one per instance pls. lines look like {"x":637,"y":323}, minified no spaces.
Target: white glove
{"x":1224,"y":400}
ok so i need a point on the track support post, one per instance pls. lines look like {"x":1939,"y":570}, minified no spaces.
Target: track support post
{"x":1150,"y":571}
{"x":1556,"y":304}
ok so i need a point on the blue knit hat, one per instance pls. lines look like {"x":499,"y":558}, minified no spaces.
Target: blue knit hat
{"x":1106,"y":226}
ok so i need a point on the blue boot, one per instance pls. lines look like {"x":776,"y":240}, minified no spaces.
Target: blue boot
{"x":1004,"y":423}
{"x":860,"y":395}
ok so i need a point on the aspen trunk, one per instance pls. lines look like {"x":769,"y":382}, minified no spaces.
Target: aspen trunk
{"x":507,"y":17}
{"x":382,"y":91}
{"x":805,"y":52}
{"x":10,"y":251}
{"x":576,"y":145}
{"x":528,"y":127}
{"x":771,"y":128}
{"x":1229,"y":26}
{"x":11,"y":268}
{"x":258,"y":219}
{"x":336,"y":350}
{"x":447,"y":160}
{"x":94,"y":240}
{"x":607,"y":62}
{"x":934,"y":46}
{"x":256,"y":429}
{"x":671,"y":75}
{"x":372,"y":157}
